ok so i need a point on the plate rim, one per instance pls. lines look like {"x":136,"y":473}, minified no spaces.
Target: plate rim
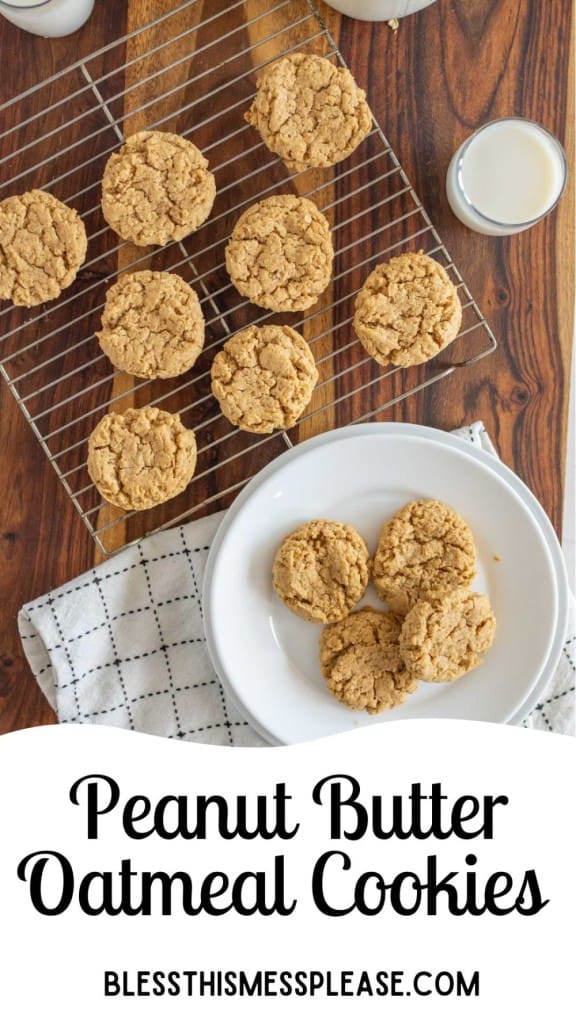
{"x":447,"y":439}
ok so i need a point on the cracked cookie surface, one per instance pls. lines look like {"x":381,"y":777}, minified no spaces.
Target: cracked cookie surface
{"x":42,"y":246}
{"x":264,"y":377}
{"x":310,"y":112}
{"x":407,"y":311}
{"x":444,"y":637}
{"x":280,"y":253}
{"x":361,"y":661}
{"x":321,"y":570}
{"x":424,"y":548}
{"x":157,"y":189}
{"x":152,"y":325}
{"x":141,"y":457}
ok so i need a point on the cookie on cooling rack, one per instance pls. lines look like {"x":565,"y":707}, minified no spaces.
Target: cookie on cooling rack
{"x":361,"y":661}
{"x":280,"y":253}
{"x":264,"y":377}
{"x":152,"y":325}
{"x":141,"y":457}
{"x":157,"y":189}
{"x":425,"y":548}
{"x":42,"y":245}
{"x":446,"y":636}
{"x":321,"y":570}
{"x":309,"y":111}
{"x":407,"y":311}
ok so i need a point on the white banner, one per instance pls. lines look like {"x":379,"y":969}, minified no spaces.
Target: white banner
{"x":421,"y":871}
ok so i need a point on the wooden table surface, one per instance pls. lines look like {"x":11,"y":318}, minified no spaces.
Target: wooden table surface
{"x":447,"y":70}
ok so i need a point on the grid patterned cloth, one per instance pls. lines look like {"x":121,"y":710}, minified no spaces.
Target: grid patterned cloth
{"x":124,"y":644}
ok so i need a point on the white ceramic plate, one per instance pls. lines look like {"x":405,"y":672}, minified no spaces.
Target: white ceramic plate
{"x":268,"y":658}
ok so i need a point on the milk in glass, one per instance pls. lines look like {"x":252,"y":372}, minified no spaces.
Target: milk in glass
{"x":378,"y":10}
{"x":47,"y":17}
{"x":506,"y":177}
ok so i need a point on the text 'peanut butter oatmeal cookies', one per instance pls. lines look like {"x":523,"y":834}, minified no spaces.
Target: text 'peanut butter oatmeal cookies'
{"x":407,"y":311}
{"x":445,"y":636}
{"x":42,"y":246}
{"x":280,"y":253}
{"x":157,"y":189}
{"x":264,"y":377}
{"x":425,"y":548}
{"x":141,"y":457}
{"x":321,"y":570}
{"x":361,"y":661}
{"x":309,"y":111}
{"x":152,"y":325}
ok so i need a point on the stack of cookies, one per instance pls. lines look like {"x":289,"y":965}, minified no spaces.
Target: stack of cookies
{"x":435,"y":629}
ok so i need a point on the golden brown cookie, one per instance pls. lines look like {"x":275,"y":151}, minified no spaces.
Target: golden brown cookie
{"x":141,"y":457}
{"x":361,"y":661}
{"x":321,"y":570}
{"x":444,"y":637}
{"x":309,"y":111}
{"x":157,"y":189}
{"x":425,"y":548}
{"x":264,"y":377}
{"x":280,"y":253}
{"x":152,"y":325}
{"x":42,"y":245}
{"x":407,"y":311}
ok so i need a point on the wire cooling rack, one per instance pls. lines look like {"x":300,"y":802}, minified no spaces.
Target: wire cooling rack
{"x":195,"y":75}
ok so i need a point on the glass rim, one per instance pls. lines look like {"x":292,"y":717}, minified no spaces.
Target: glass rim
{"x":518,"y":223}
{"x":24,"y":7}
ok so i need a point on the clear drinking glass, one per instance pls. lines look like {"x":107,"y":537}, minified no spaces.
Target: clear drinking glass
{"x":378,"y":10}
{"x":506,"y":177}
{"x":47,"y":18}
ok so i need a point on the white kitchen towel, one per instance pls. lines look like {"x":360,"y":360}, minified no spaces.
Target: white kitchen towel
{"x":124,"y":644}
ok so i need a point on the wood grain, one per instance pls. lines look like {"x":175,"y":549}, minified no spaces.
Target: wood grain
{"x":447,"y":70}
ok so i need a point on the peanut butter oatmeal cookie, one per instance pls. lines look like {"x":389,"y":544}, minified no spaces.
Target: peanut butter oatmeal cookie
{"x":157,"y":189}
{"x":152,"y":325}
{"x":264,"y":377}
{"x":321,"y":570}
{"x":141,"y":457}
{"x":309,"y":111}
{"x":361,"y":661}
{"x":42,"y":245}
{"x":407,"y":311}
{"x":445,"y":636}
{"x":425,"y":548}
{"x":280,"y":253}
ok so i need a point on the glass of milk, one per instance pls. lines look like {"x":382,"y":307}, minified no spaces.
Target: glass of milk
{"x":47,"y":17}
{"x":506,"y":177}
{"x":378,"y":10}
